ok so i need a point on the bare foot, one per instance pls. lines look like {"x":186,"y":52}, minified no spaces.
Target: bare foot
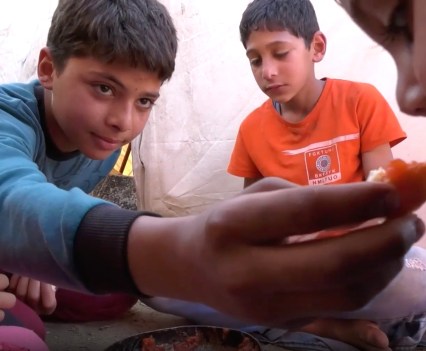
{"x":362,"y":334}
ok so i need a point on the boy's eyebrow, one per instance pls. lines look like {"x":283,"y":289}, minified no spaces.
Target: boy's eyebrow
{"x":109,"y":77}
{"x":121,"y":85}
{"x":250,"y":51}
{"x":152,"y":95}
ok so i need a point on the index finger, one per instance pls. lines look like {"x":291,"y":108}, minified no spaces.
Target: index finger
{"x":342,"y":261}
{"x":273,"y":215}
{"x":48,"y":298}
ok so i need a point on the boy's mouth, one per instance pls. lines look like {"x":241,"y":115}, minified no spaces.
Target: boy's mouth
{"x":274,"y":86}
{"x":274,"y":89}
{"x":107,"y":143}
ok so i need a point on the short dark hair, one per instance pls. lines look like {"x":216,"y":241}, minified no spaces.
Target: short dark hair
{"x":295,"y":16}
{"x":139,"y":33}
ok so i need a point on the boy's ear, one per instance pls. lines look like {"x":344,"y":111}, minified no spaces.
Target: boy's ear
{"x":45,"y":68}
{"x":318,"y":46}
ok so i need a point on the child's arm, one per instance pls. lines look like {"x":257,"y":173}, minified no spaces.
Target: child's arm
{"x":228,"y":257}
{"x":379,"y":128}
{"x":376,"y":158}
{"x":39,"y":220}
{"x":219,"y":258}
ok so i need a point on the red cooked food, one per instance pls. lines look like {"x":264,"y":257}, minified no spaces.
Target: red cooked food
{"x":190,"y":344}
{"x":194,"y":343}
{"x":149,"y":344}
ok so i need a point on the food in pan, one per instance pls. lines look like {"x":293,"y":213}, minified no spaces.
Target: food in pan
{"x":189,"y":338}
{"x":192,"y":343}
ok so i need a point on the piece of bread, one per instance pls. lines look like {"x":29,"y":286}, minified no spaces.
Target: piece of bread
{"x":409,"y":178}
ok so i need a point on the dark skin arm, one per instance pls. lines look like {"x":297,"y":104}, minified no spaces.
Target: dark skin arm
{"x":362,"y":334}
{"x":232,"y":249}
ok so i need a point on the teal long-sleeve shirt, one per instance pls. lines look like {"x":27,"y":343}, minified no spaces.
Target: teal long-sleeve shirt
{"x":51,"y":229}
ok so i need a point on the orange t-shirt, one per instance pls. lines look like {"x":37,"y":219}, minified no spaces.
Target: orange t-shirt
{"x":350,"y":118}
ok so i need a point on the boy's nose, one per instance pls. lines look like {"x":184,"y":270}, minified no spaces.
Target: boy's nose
{"x":121,"y":119}
{"x":411,"y":96}
{"x":268,"y":71}
{"x":410,"y":92}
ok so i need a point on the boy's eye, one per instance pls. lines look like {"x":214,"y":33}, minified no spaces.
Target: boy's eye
{"x":104,"y":89}
{"x":281,"y":54}
{"x":146,"y":103}
{"x":399,"y":23}
{"x":255,"y":62}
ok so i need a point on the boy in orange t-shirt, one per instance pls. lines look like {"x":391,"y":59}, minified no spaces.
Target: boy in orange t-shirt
{"x":310,"y":131}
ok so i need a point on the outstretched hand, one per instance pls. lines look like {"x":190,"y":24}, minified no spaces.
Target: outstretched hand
{"x":231,"y":257}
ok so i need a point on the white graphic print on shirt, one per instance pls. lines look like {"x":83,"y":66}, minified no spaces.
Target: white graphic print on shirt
{"x":322,"y":162}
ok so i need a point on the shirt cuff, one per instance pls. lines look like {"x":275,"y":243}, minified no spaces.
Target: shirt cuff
{"x":100,"y":249}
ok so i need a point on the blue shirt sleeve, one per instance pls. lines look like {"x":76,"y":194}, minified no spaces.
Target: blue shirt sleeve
{"x":39,"y":220}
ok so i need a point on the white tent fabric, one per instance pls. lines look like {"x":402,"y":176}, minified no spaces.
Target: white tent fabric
{"x":23,"y":30}
{"x":185,"y":147}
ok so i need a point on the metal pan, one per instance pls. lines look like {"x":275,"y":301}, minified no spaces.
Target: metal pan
{"x":189,"y":338}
